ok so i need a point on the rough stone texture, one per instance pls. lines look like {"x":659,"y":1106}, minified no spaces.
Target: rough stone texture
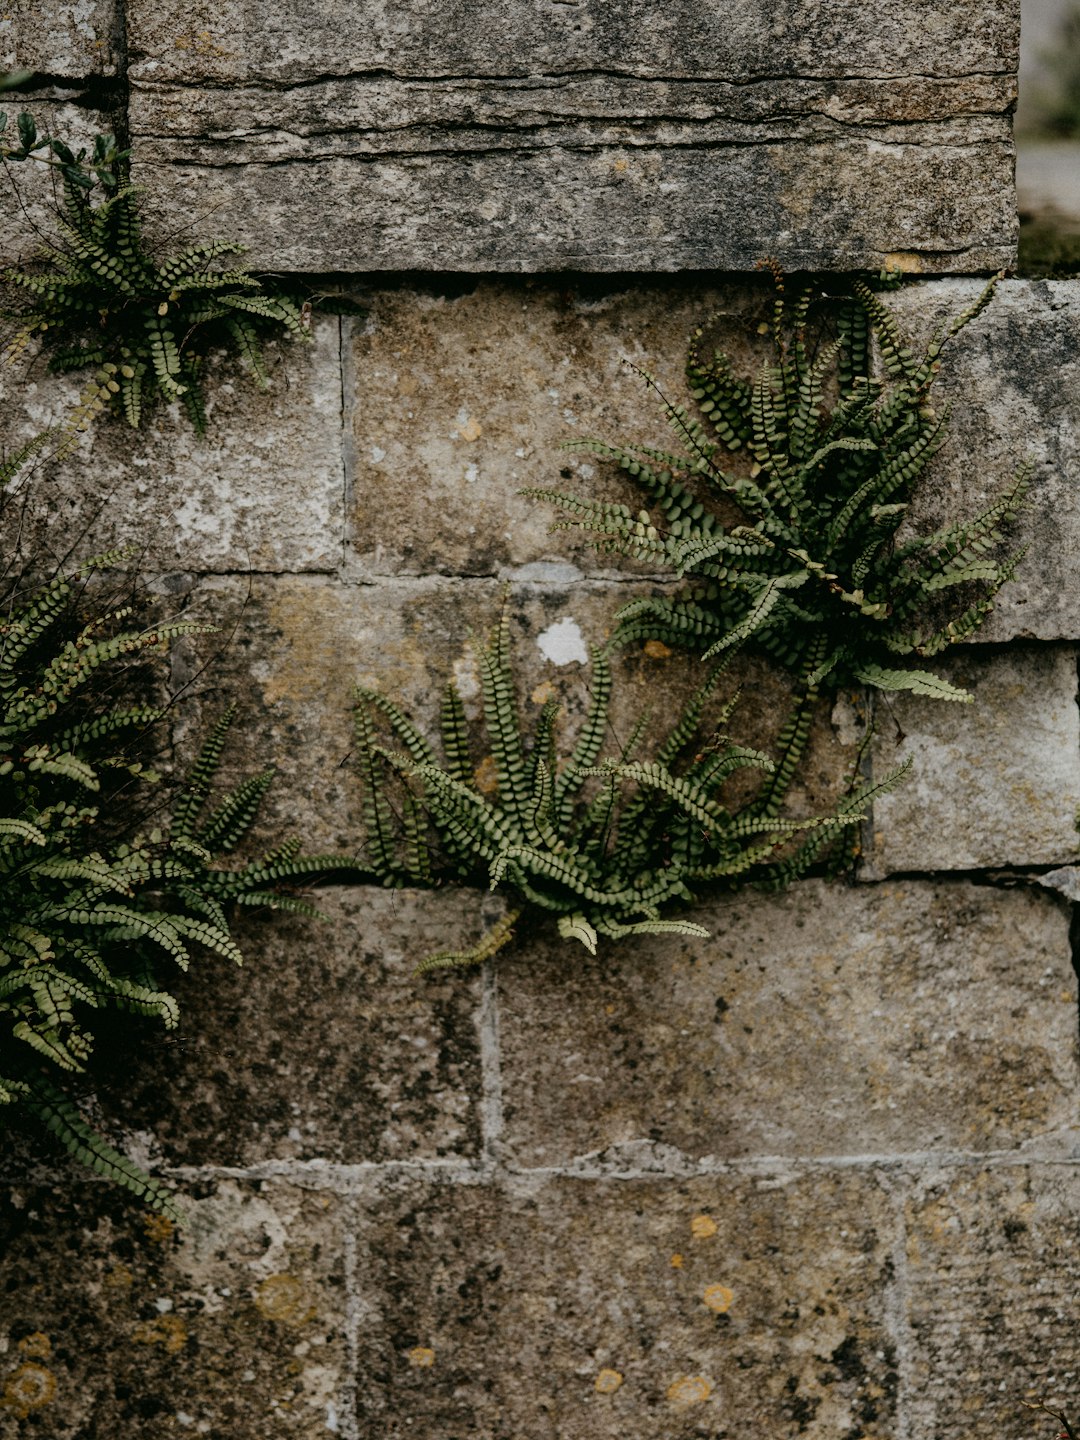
{"x":1013,"y":380}
{"x":600,"y":143}
{"x":263,"y":491}
{"x":996,"y":783}
{"x":291,"y":650}
{"x":814,"y":1176}
{"x":234,"y":1326}
{"x":833,"y":1021}
{"x":30,"y":220}
{"x":464,"y":399}
{"x":589,"y":1311}
{"x":993,"y":1272}
{"x":379,"y":1066}
{"x":63,"y":39}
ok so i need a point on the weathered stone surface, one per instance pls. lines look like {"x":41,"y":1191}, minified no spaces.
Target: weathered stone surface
{"x":598,"y":141}
{"x":63,"y":39}
{"x":1013,"y":380}
{"x":463,"y":400}
{"x":993,"y":1269}
{"x":266,"y":41}
{"x":325,"y":1046}
{"x":298,"y":646}
{"x":234,"y":1326}
{"x":993,"y":783}
{"x":633,"y":1308}
{"x":263,"y":491}
{"x":827,"y":1021}
{"x":29,"y":213}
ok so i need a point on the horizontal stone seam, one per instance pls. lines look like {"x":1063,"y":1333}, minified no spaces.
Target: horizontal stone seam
{"x":326,"y":1175}
{"x":254,"y":81}
{"x":517,"y":151}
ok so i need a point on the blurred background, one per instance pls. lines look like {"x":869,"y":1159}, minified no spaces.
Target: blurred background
{"x":1048,"y":138}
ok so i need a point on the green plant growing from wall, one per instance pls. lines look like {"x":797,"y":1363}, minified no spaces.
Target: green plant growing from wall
{"x":785,"y":507}
{"x":97,"y":892}
{"x":100,"y":298}
{"x":609,"y":846}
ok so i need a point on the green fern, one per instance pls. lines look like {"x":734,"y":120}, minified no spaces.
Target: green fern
{"x":93,"y":903}
{"x":102,"y":299}
{"x":815,"y":562}
{"x":608,"y":845}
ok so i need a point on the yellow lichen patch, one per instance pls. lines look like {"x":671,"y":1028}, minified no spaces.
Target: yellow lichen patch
{"x":607,"y":1382}
{"x":119,"y":1277}
{"x":28,"y":1388}
{"x":168,"y":1331}
{"x":159,"y":1228}
{"x":621,"y":165}
{"x":486,"y":776}
{"x":677,"y":1261}
{"x":656,"y":650}
{"x":281,"y":1297}
{"x":543,"y":693}
{"x":703,"y":1227}
{"x":689,"y":1390}
{"x":471,"y":430}
{"x":37,"y":1345}
{"x":905,"y":260}
{"x":421,"y":1358}
{"x":718,"y":1298}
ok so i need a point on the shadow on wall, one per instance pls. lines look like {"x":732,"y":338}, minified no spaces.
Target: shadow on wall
{"x":1048,"y":138}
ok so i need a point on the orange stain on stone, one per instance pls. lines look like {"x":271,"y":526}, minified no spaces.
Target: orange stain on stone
{"x":281,"y":1297}
{"x":421,"y":1357}
{"x":607,"y":1382}
{"x":703,"y":1227}
{"x":543,"y":693}
{"x":159,"y":1228}
{"x":718,"y":1298}
{"x":656,"y":650}
{"x":471,"y":430}
{"x":168,"y":1331}
{"x":28,"y":1388}
{"x":689,"y":1390}
{"x":486,"y":776}
{"x":677,"y":1261}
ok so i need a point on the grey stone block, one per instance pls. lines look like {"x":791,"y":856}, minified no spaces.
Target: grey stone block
{"x":1013,"y":381}
{"x":29,"y":214}
{"x":633,"y":1308}
{"x":234,"y":1325}
{"x":829,"y":1021}
{"x":992,"y":1277}
{"x":263,"y":491}
{"x":596,"y":140}
{"x":995,"y":783}
{"x":463,"y":400}
{"x":325,"y":1046}
{"x":63,"y":39}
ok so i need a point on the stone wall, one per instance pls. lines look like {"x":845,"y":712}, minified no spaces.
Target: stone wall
{"x":816,"y":1175}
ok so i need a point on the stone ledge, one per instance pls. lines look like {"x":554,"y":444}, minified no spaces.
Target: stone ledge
{"x":598,"y":141}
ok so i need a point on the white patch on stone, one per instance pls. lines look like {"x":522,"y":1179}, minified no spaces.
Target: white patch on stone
{"x":563,"y":643}
{"x":163,"y":1305}
{"x":472,"y":474}
{"x":331,"y":1417}
{"x":465,"y":679}
{"x":378,"y":454}
{"x":542,"y":572}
